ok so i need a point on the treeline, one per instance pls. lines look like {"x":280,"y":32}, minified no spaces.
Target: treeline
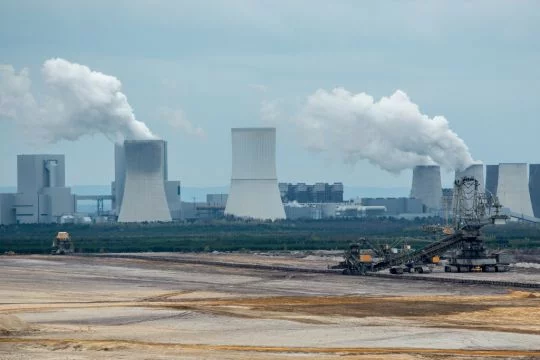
{"x":222,"y":235}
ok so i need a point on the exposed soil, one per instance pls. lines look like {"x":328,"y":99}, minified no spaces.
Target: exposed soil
{"x":87,"y":308}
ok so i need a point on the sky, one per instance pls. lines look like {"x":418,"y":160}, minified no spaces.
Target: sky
{"x":192,"y":70}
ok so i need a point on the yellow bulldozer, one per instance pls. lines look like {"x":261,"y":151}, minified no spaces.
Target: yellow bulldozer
{"x":62,"y":244}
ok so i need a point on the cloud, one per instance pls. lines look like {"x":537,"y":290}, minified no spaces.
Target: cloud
{"x":176,"y":118}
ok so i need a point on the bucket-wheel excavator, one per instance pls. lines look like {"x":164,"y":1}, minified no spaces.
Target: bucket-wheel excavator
{"x":471,"y":212}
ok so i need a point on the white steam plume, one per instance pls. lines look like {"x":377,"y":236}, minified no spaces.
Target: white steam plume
{"x":89,"y":102}
{"x":15,"y":96}
{"x":391,"y":133}
{"x":78,"y":102}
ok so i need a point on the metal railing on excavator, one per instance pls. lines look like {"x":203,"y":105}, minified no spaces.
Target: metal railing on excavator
{"x":422,"y":255}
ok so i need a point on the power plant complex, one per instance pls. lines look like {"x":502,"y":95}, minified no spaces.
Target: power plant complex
{"x":142,"y":192}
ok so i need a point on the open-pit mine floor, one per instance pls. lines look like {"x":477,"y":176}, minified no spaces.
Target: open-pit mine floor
{"x":68,"y":307}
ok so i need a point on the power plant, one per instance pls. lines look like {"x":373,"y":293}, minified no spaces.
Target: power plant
{"x":254,"y":191}
{"x":316,"y":193}
{"x":141,"y":191}
{"x":41,"y":193}
{"x":427,"y":186}
{"x":145,"y":155}
{"x":144,"y":197}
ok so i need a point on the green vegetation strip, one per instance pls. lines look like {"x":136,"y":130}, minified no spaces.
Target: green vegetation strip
{"x":237,"y":236}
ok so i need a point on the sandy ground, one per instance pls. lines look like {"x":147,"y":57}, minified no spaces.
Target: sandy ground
{"x":321,"y":259}
{"x":95,"y":308}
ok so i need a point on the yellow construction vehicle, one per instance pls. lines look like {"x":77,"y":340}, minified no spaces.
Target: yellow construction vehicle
{"x":62,"y":244}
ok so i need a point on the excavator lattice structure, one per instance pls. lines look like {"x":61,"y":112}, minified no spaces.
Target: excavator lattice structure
{"x":471,"y":212}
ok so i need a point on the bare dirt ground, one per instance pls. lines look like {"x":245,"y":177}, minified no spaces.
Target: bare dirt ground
{"x":96,"y":308}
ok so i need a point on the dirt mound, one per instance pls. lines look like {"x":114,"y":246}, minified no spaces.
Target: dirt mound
{"x":10,"y":324}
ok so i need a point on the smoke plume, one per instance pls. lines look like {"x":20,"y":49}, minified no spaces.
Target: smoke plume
{"x":15,"y":96}
{"x":77,"y":102}
{"x":391,"y":133}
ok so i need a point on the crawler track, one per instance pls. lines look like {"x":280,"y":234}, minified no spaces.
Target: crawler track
{"x":506,"y":284}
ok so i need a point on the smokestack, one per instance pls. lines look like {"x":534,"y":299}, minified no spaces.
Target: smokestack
{"x":254,"y":189}
{"x":144,"y":196}
{"x":427,"y":187}
{"x":534,"y":188}
{"x":513,"y":188}
{"x":51,"y":166}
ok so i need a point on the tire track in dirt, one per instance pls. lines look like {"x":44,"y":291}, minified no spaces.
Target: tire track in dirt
{"x":126,"y":344}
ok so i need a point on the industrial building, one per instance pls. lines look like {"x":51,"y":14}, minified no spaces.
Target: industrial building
{"x":297,"y":211}
{"x":513,"y":188}
{"x":219,"y":200}
{"x":254,"y":189}
{"x":7,"y":209}
{"x":144,"y":197}
{"x":352,"y":211}
{"x":396,"y":206}
{"x":42,"y":196}
{"x":171,"y":187}
{"x":317,"y":193}
{"x":427,"y":187}
{"x":534,"y":188}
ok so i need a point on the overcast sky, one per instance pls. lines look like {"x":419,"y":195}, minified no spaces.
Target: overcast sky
{"x":191,"y":70}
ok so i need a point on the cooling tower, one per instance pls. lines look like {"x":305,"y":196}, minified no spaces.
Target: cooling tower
{"x":144,"y":196}
{"x":513,"y":188}
{"x":426,"y":186}
{"x":254,"y":189}
{"x":475,"y":171}
{"x":492,"y":179}
{"x":119,"y":176}
{"x":534,"y":188}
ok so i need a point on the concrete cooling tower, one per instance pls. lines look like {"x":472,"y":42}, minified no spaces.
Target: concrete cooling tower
{"x":144,"y":196}
{"x":534,"y":188}
{"x":475,"y":171}
{"x":427,"y":187}
{"x":119,"y":176}
{"x":492,"y":180}
{"x":513,"y":188}
{"x":254,"y":189}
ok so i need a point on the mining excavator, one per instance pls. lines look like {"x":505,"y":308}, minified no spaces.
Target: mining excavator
{"x":62,"y":244}
{"x":471,"y":212}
